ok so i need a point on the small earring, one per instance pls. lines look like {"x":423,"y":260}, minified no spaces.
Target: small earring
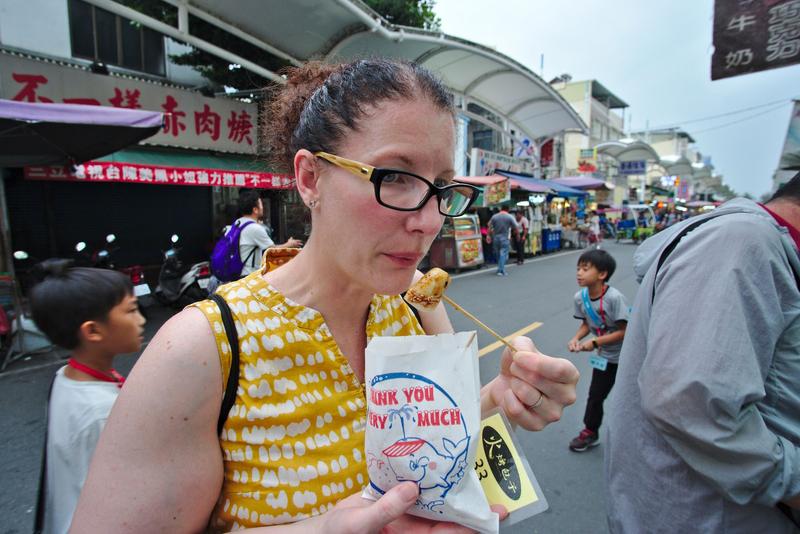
{"x":312,"y":204}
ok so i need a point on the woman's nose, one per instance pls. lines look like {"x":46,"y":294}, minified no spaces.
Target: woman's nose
{"x":427,"y":219}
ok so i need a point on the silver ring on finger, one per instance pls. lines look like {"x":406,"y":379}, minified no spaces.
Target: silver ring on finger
{"x":538,"y":402}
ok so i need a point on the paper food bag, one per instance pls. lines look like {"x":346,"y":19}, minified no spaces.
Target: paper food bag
{"x":423,"y":425}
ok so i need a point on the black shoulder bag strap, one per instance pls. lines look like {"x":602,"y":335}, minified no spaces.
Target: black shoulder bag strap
{"x":233,"y":374}
{"x":669,"y":248}
{"x":38,"y":525}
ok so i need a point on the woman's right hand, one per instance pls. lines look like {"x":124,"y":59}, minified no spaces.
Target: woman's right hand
{"x":574,"y":345}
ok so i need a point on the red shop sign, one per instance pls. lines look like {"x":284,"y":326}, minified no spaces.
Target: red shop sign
{"x":111,"y":171}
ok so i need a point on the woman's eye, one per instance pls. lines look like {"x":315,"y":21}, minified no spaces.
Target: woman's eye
{"x":397,"y":178}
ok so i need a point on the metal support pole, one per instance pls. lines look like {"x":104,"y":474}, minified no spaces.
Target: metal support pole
{"x":16,"y":297}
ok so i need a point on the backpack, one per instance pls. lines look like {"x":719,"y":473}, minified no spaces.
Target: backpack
{"x":226,"y":263}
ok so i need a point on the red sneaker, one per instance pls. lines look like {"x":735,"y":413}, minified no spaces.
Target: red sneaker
{"x":585,"y":439}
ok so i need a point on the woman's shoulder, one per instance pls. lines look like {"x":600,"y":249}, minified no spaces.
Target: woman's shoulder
{"x":184,"y":343}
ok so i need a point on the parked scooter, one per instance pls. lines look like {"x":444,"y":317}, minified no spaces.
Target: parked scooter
{"x":103,"y":258}
{"x":179,"y":286}
{"x":19,"y":336}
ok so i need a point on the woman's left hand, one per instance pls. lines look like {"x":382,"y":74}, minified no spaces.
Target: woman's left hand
{"x":532,"y":388}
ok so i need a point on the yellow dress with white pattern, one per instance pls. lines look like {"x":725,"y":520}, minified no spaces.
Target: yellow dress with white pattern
{"x":293,"y":443}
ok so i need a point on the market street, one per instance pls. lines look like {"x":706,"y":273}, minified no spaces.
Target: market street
{"x":539,"y":292}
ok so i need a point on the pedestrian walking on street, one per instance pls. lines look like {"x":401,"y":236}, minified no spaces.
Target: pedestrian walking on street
{"x":522,"y":235}
{"x":255,"y":239}
{"x":371,"y":146}
{"x":704,"y":431}
{"x":595,"y":234}
{"x":93,"y":313}
{"x":501,"y":227}
{"x":603,"y":312}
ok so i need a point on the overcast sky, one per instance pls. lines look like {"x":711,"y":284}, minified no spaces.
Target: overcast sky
{"x":656,"y":56}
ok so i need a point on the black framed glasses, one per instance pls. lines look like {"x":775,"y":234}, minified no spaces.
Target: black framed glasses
{"x":404,"y":191}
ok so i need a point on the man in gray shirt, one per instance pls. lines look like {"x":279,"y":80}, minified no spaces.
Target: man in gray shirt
{"x":499,"y":227}
{"x":704,"y":427}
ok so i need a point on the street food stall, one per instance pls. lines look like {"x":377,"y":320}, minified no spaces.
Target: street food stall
{"x":459,"y":243}
{"x":532,"y":200}
{"x":561,"y":203}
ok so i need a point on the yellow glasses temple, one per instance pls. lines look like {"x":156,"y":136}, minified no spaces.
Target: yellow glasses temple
{"x":359,"y":169}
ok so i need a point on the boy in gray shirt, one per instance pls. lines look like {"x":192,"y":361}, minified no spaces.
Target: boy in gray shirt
{"x":603,"y":312}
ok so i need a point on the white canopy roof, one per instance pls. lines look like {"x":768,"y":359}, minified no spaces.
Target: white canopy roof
{"x":701,"y":170}
{"x":300,"y":30}
{"x":480,"y":75}
{"x":676,"y":165}
{"x":628,"y":150}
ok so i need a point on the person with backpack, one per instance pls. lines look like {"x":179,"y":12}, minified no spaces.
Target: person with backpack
{"x":239,"y":251}
{"x":704,"y":426}
{"x":254,"y":238}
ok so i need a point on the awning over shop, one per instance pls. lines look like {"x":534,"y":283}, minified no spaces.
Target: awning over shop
{"x":190,"y":159}
{"x":531,"y":187}
{"x":49,"y":134}
{"x":654,"y":189}
{"x":480,"y":180}
{"x":133,"y":173}
{"x":168,"y":167}
{"x":495,"y":190}
{"x":583,"y":182}
{"x":790,"y":155}
{"x":557,"y":189}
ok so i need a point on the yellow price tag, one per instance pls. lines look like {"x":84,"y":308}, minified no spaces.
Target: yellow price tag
{"x":500,"y":467}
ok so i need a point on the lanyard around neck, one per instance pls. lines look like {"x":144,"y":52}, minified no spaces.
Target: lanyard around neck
{"x":113,"y":376}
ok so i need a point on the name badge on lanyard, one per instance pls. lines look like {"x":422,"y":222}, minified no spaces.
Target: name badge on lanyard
{"x":598,"y":362}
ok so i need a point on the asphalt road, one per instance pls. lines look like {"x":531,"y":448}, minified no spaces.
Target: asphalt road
{"x":539,"y":291}
{"x":542,"y":291}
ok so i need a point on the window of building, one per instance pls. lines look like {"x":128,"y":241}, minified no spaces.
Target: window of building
{"x":483,"y":139}
{"x":100,"y":35}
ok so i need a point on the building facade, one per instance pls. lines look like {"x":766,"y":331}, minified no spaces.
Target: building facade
{"x":182,"y":180}
{"x":603,"y":112}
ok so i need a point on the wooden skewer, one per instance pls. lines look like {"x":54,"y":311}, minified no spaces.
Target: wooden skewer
{"x":469,"y":342}
{"x":479,"y":323}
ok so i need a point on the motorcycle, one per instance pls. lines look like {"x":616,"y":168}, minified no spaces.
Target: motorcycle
{"x":19,"y":335}
{"x":103,"y":258}
{"x":178,"y":285}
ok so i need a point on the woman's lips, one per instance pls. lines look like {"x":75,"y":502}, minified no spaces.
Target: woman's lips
{"x":404,"y":259}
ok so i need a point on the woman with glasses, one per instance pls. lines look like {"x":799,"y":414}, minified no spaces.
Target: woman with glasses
{"x":371,"y":146}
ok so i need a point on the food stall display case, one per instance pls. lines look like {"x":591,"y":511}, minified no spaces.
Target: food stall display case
{"x":458,"y":244}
